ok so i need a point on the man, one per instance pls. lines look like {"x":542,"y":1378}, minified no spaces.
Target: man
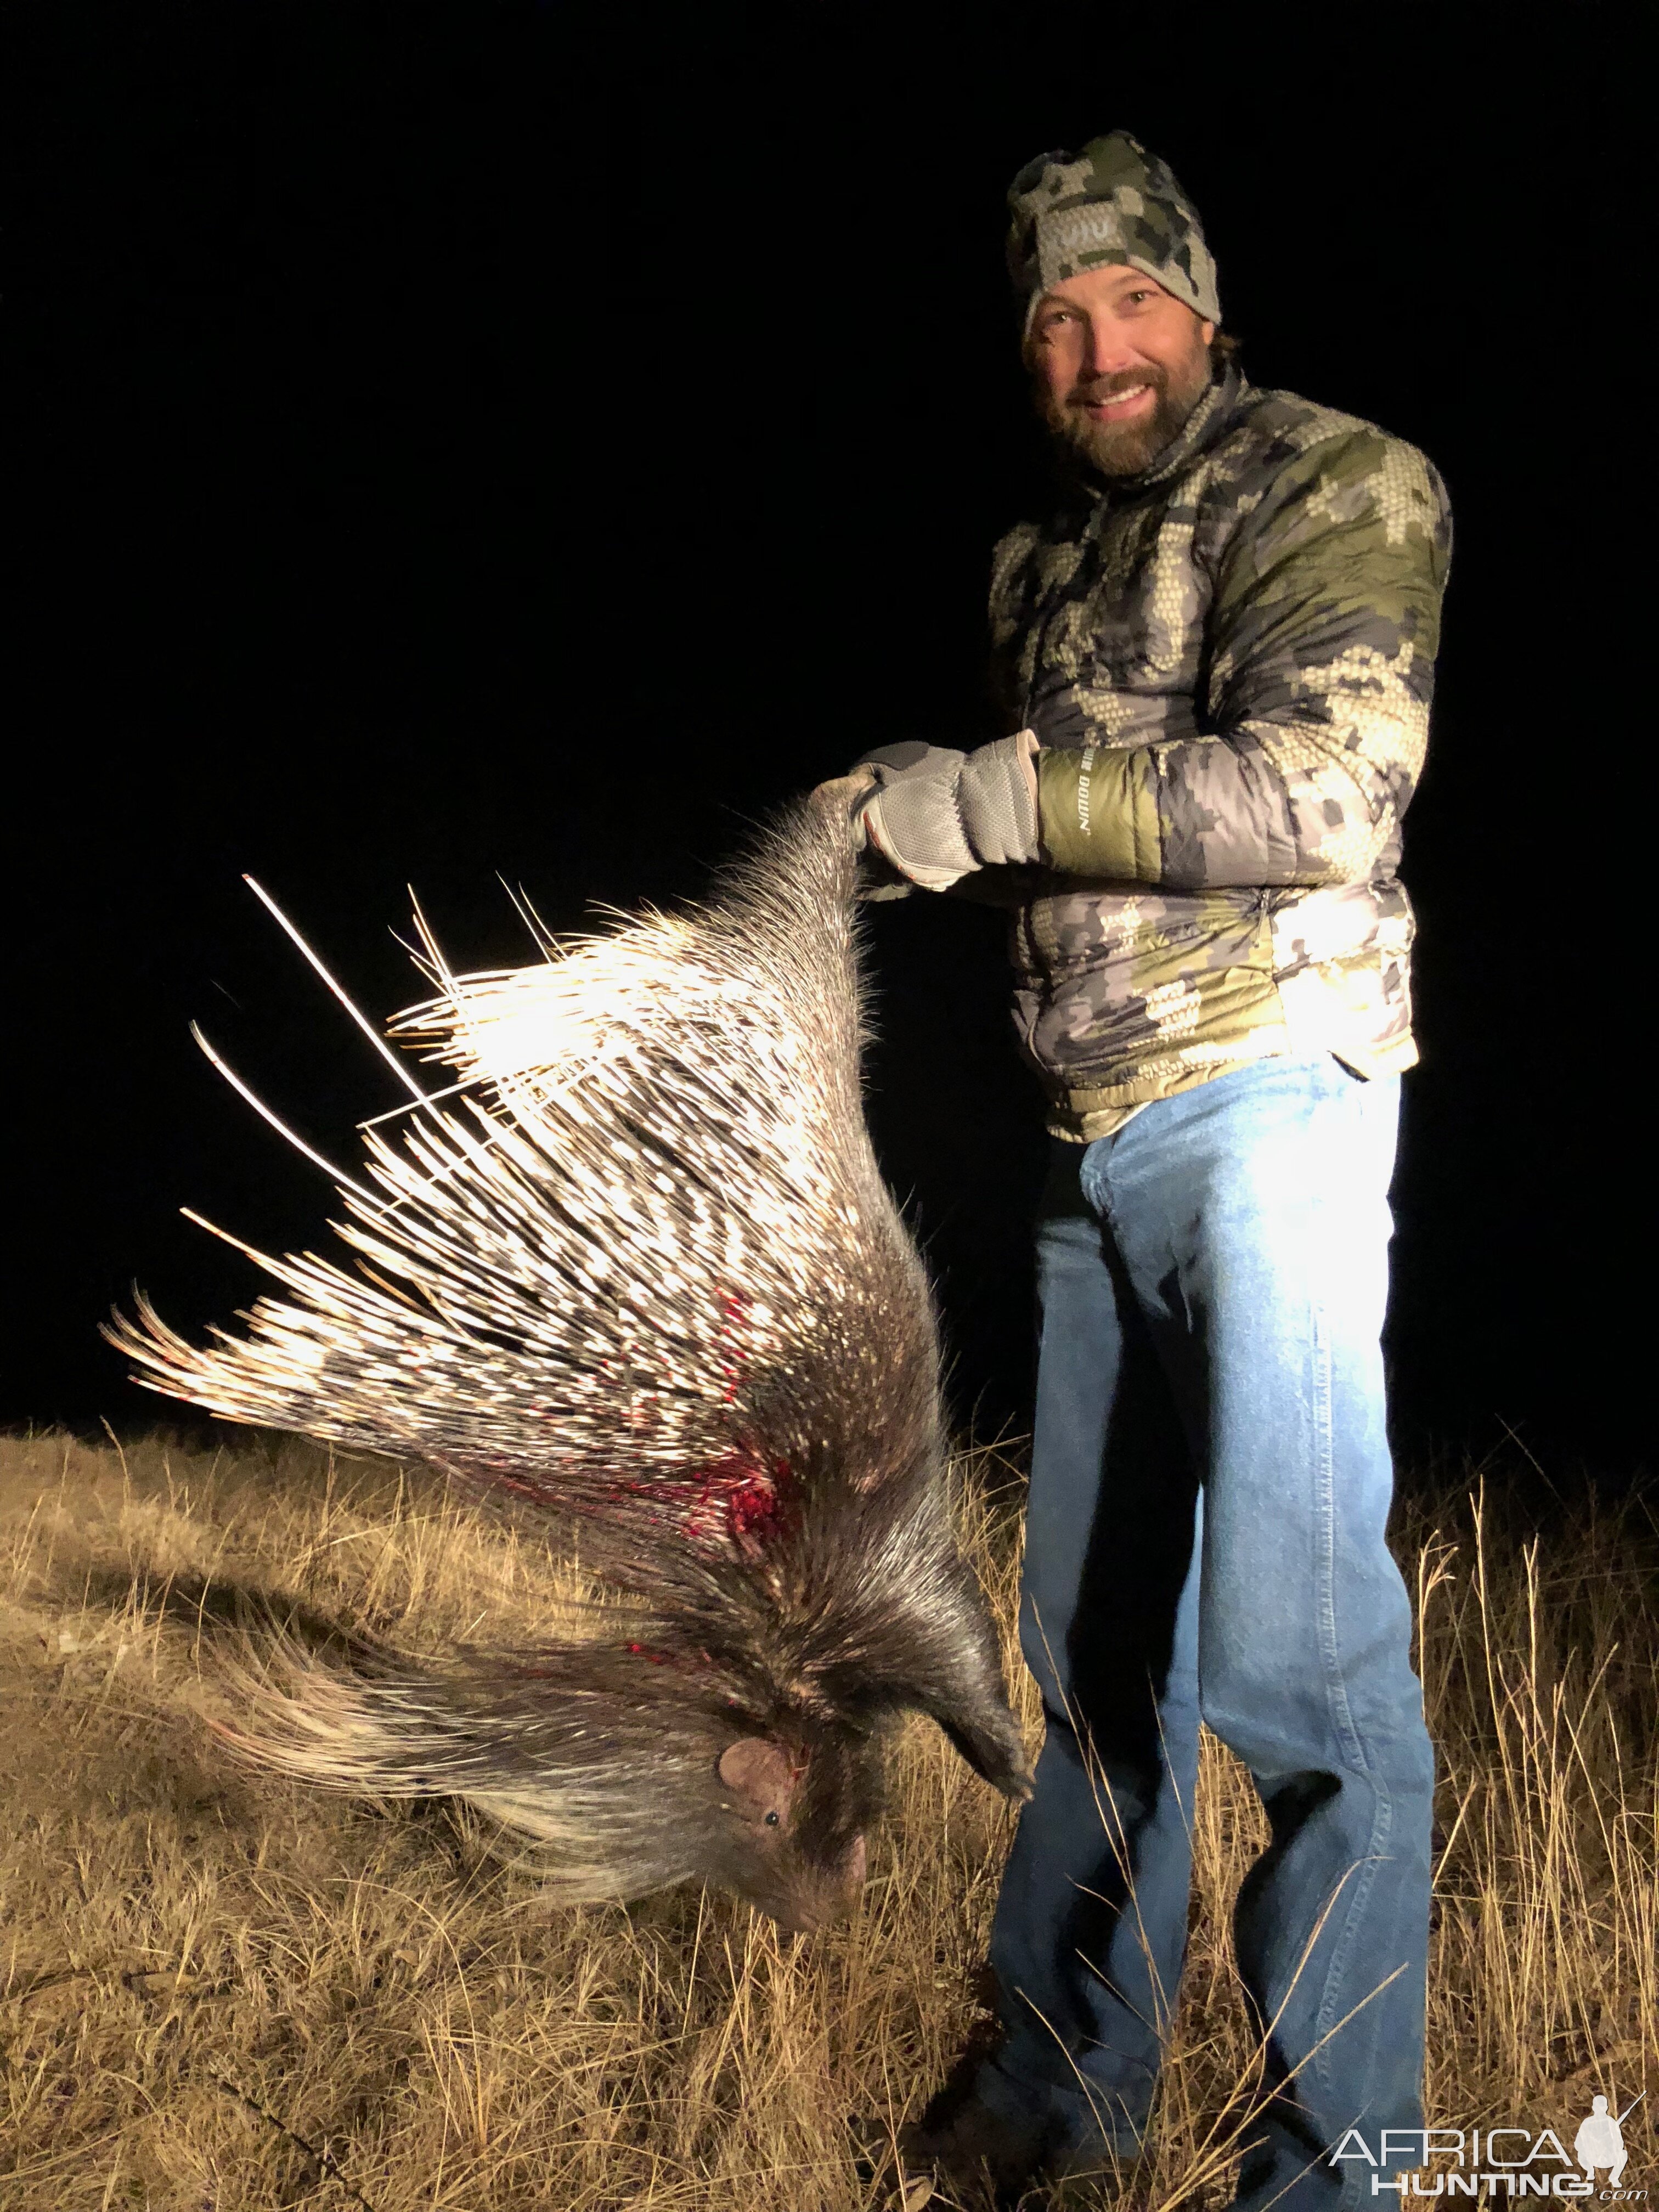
{"x":1217,"y":653}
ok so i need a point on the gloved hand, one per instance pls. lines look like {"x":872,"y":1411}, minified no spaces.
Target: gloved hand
{"x":937,"y":815}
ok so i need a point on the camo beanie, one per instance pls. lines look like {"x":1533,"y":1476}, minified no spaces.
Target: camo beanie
{"x":1112,"y":203}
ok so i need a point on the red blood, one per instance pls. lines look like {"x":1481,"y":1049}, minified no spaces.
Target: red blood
{"x":753,"y":1508}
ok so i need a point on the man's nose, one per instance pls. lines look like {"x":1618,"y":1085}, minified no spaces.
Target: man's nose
{"x":1107,"y":349}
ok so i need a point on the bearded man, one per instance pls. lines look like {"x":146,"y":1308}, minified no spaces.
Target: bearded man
{"x":1216,"y":654}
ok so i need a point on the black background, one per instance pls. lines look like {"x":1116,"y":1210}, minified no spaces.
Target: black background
{"x":488,"y":439}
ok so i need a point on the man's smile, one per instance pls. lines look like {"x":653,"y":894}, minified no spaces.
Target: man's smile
{"x":1118,"y":406}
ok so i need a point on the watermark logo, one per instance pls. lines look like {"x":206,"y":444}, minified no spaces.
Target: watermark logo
{"x":1487,"y":2160}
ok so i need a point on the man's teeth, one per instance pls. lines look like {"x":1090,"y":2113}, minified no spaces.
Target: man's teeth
{"x":1116,"y":398}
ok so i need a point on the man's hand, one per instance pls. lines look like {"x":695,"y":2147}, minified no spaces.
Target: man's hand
{"x":937,"y":815}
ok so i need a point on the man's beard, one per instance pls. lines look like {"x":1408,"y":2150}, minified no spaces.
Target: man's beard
{"x":1123,"y":449}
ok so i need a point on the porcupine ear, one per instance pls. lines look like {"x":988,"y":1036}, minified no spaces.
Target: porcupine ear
{"x":759,"y":1775}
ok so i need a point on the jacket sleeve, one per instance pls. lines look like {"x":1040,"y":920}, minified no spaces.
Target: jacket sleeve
{"x":1321,"y":638}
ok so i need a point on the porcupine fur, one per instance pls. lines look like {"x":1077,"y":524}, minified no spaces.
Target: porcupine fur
{"x":642,"y":1272}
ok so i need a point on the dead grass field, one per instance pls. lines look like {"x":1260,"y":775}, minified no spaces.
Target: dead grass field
{"x":221,"y":1992}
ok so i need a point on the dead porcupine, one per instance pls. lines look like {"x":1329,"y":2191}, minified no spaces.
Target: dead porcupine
{"x":638,"y":1269}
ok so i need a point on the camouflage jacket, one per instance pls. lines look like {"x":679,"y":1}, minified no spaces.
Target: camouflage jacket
{"x":1228,"y":661}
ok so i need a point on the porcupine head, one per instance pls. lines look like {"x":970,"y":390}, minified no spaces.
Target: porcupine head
{"x":628,"y":1263}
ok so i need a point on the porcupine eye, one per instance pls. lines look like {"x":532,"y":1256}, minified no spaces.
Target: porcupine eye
{"x":771,"y":1819}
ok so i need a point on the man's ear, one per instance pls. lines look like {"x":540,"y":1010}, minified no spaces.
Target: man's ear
{"x":1206,"y":332}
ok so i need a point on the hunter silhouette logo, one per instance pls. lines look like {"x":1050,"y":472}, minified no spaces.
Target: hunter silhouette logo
{"x":1601,"y":2142}
{"x":1516,"y":2160}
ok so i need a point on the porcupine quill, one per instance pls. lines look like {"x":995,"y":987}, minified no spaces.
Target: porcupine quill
{"x":635,"y":1264}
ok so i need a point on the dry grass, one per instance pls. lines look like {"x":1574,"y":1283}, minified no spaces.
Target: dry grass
{"x":221,"y":1992}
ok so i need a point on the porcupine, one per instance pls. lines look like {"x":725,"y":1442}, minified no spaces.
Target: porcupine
{"x":639,"y":1269}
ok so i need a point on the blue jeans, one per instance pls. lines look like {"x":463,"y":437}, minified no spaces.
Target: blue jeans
{"x":1210,"y":1484}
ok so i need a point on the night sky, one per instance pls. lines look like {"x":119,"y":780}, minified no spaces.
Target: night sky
{"x":460,"y":442}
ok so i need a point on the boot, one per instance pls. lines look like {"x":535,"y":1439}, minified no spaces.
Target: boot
{"x":958,"y":2153}
{"x":973,"y":2159}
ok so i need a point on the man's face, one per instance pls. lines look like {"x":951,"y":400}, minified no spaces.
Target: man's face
{"x":1117,"y":366}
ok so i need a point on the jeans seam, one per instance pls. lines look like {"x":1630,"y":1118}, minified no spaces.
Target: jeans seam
{"x":1336,"y":1693}
{"x":1091,"y":1181}
{"x":1341,"y":1955}
{"x":1325,"y":1498}
{"x":1381,"y":1826}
